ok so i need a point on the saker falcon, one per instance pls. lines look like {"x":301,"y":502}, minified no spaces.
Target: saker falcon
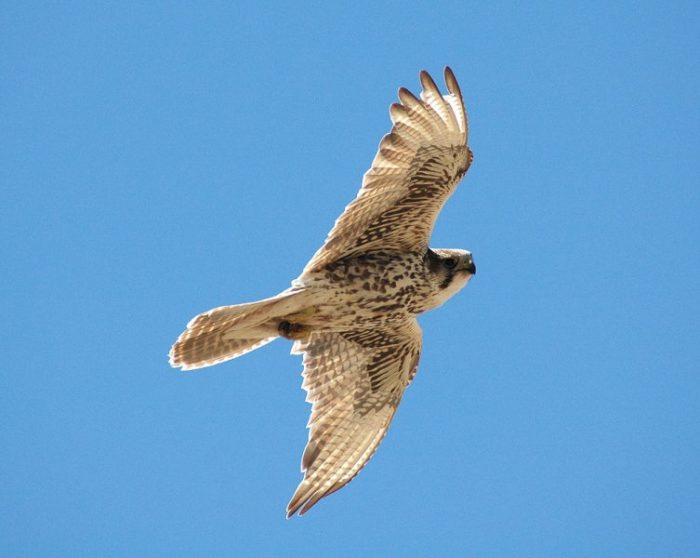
{"x":352,"y":312}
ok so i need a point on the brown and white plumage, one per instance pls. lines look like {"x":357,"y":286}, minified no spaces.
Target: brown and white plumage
{"x":416,"y":168}
{"x":355,"y":381}
{"x":352,"y":310}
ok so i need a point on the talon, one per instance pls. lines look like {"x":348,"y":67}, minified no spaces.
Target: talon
{"x":284,"y":328}
{"x":290,"y":330}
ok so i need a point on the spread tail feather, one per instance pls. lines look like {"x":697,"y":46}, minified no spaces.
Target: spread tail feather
{"x":231,"y":331}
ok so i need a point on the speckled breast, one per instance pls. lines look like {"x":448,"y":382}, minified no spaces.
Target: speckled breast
{"x":375,"y":287}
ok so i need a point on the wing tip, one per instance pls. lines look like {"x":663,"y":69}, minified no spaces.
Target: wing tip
{"x":408,"y":98}
{"x":306,"y":497}
{"x":452,"y":83}
{"x":299,"y":498}
{"x":428,"y":83}
{"x":397,"y":112}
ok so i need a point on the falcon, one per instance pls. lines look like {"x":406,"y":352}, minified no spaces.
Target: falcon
{"x":352,"y":311}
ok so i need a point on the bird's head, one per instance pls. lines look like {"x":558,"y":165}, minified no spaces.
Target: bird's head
{"x":451,"y":270}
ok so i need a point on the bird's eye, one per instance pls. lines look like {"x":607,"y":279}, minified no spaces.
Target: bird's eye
{"x":450,"y":263}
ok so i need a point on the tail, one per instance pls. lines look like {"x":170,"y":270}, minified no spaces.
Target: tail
{"x":231,"y":331}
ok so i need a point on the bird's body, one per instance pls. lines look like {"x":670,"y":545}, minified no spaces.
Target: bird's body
{"x":352,"y":312}
{"x":379,"y":287}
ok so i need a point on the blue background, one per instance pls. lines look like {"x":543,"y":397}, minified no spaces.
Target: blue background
{"x":159,"y":159}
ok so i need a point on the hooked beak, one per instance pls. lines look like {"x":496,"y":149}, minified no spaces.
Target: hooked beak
{"x":470,"y":267}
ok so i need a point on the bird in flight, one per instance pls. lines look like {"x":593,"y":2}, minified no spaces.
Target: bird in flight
{"x":352,"y":311}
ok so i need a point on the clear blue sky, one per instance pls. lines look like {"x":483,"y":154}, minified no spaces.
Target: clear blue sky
{"x":158,"y":160}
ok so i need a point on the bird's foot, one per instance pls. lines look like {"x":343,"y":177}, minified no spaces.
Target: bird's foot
{"x":292,"y":330}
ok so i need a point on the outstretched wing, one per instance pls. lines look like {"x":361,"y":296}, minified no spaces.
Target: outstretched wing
{"x":417,"y":167}
{"x":355,"y":380}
